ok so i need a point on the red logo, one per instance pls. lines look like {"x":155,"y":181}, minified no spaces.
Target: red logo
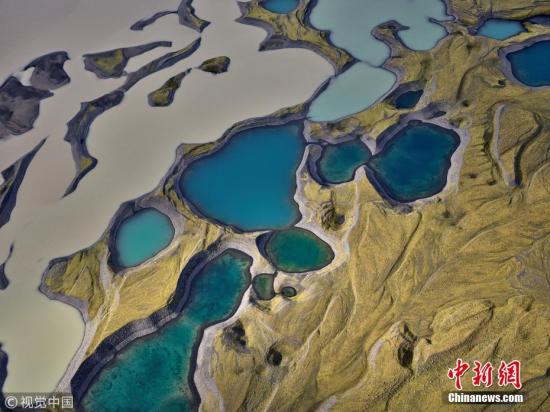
{"x":508,"y":373}
{"x":483,"y":374}
{"x":457,"y":372}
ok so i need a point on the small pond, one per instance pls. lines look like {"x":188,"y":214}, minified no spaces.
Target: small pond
{"x":141,"y":236}
{"x":338,"y":162}
{"x":297,"y":250}
{"x":280,"y":6}
{"x":500,"y":29}
{"x":408,"y":100}
{"x":262,"y":285}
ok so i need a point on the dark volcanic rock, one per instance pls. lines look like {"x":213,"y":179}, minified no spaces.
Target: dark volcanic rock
{"x":79,"y":128}
{"x":3,"y":373}
{"x":4,"y":281}
{"x":13,"y":177}
{"x":19,"y":106}
{"x":48,"y":73}
{"x":143,"y":23}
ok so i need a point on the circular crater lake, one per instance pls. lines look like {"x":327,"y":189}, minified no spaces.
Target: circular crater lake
{"x":250,"y":182}
{"x":141,"y":236}
{"x":338,"y":162}
{"x":530,"y":64}
{"x":414,"y":163}
{"x":297,"y":250}
{"x":153,"y":373}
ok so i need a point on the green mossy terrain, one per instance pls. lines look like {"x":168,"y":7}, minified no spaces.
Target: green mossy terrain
{"x":216,"y":65}
{"x":164,"y":95}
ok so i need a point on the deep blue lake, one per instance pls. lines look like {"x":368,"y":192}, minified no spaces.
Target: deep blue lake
{"x":500,"y":29}
{"x":415,"y":162}
{"x":250,"y":182}
{"x":530,"y":64}
{"x":408,"y":99}
{"x":141,"y":236}
{"x":151,"y":374}
{"x":338,"y":162}
{"x":540,"y":19}
{"x":280,"y":6}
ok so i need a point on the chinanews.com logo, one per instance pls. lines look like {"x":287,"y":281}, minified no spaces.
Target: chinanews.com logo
{"x":484,"y":375}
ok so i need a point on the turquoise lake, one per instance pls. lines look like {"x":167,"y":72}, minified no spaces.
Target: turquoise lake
{"x":500,"y":29}
{"x":151,"y":374}
{"x":350,"y":23}
{"x":530,"y":64}
{"x":141,"y":236}
{"x":415,"y":162}
{"x":280,"y":6}
{"x":408,"y":99}
{"x":338,"y":162}
{"x":297,"y":250}
{"x":250,"y":182}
